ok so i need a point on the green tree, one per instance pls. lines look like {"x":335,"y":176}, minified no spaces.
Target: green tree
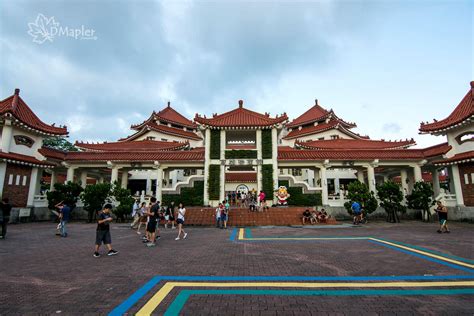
{"x":124,"y":200}
{"x":94,"y":196}
{"x":66,"y":192}
{"x":359,"y":192}
{"x":60,"y":143}
{"x":391,"y":198}
{"x":421,"y":198}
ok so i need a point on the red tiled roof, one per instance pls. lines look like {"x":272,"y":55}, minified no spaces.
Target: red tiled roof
{"x":169,"y":115}
{"x":140,"y":145}
{"x":393,"y":154}
{"x":355,"y":144}
{"x":241,"y":117}
{"x":315,"y":114}
{"x":163,"y":129}
{"x":241,"y":177}
{"x":23,"y":159}
{"x":456,"y":159}
{"x":436,"y":150}
{"x":309,"y":130}
{"x":187,"y":155}
{"x":463,"y":113}
{"x":52,"y":153}
{"x":15,"y":106}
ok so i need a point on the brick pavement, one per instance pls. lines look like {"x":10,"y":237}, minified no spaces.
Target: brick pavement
{"x":42,"y":273}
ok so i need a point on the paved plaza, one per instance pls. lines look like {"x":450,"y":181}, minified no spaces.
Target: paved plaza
{"x":378,"y":268}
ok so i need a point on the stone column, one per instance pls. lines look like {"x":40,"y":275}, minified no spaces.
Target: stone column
{"x":3,"y":171}
{"x":435,"y":181}
{"x":371,"y":179}
{"x":222,"y":180}
{"x":53,"y":180}
{"x":324,"y":185}
{"x":275,"y":162}
{"x":101,"y":179}
{"x":167,"y":178}
{"x":360,"y":176}
{"x":148,"y":184}
{"x":259,"y":176}
{"x":159,"y":183}
{"x":259,"y":143}
{"x":70,"y":174}
{"x":124,"y":182}
{"x":83,"y":178}
{"x":207,"y":142}
{"x":385,"y":178}
{"x":403,"y":180}
{"x":336,"y":185}
{"x":34,"y":185}
{"x":457,"y":185}
{"x":417,"y":173}
{"x":114,"y":175}
{"x":7,"y":134}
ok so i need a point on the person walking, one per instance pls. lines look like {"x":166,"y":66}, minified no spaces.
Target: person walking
{"x":135,"y":214}
{"x":443,"y":217}
{"x":180,"y":221}
{"x":225,"y":215}
{"x":141,"y":217}
{"x":153,"y":214}
{"x":103,"y":232}
{"x":169,"y":216}
{"x":64,"y":215}
{"x":262,"y":201}
{"x":5,"y":210}
{"x":218,"y":215}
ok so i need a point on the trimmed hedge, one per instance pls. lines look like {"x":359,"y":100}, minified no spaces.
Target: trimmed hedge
{"x":298,"y":198}
{"x":240,"y":154}
{"x":214,"y":182}
{"x":267,"y":181}
{"x":267,"y":144}
{"x":189,"y":196}
{"x":215,"y":144}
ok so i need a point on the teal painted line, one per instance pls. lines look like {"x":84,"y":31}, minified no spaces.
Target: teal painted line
{"x":248,"y":233}
{"x":430,"y":251}
{"x":177,"y":305}
{"x":234,"y":234}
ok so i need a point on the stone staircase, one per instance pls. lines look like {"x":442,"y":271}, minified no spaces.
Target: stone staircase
{"x":242,"y":217}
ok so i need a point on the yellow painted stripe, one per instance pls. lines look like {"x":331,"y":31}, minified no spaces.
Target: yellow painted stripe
{"x":424,"y":253}
{"x":242,"y":237}
{"x":156,"y":300}
{"x":241,"y":234}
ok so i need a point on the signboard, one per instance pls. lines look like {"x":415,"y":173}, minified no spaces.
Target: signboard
{"x":24,"y":212}
{"x":242,"y":188}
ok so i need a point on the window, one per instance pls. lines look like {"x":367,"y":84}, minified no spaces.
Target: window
{"x":150,"y":138}
{"x":321,"y":138}
{"x":10,"y":179}
{"x":466,"y":178}
{"x":164,"y":140}
{"x":472,"y":178}
{"x":25,"y":178}
{"x":334,"y":136}
{"x":18,"y":178}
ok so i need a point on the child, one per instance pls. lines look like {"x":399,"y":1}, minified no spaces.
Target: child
{"x":103,"y":232}
{"x":180,"y":221}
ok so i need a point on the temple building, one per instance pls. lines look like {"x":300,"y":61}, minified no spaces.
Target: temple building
{"x":241,"y":149}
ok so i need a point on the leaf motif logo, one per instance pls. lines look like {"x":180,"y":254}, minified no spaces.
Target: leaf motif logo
{"x":41,"y":30}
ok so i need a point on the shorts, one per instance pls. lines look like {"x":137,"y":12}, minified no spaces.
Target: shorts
{"x":151,"y":227}
{"x":103,"y":236}
{"x":223,"y":217}
{"x":180,"y":221}
{"x":167,"y":217}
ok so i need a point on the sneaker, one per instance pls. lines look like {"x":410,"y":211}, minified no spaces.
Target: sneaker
{"x":112,"y":252}
{"x":138,"y":233}
{"x":96,"y":255}
{"x":145,"y":241}
{"x":447,"y":232}
{"x":185,"y":235}
{"x":173,"y":227}
{"x":177,"y":238}
{"x":151,"y":244}
{"x":158,"y":237}
{"x":439,"y":231}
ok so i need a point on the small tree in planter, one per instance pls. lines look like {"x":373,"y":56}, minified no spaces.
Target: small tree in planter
{"x":391,"y":198}
{"x":125,"y":201}
{"x":66,"y":192}
{"x":359,"y":192}
{"x":421,"y":198}
{"x":94,"y":196}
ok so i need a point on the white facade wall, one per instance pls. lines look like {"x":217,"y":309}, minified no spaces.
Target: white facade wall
{"x":326,"y":134}
{"x":459,"y":148}
{"x":25,"y":150}
{"x":170,"y":138}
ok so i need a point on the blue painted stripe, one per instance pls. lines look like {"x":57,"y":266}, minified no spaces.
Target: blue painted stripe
{"x":248,"y":233}
{"x":177,"y":305}
{"x":233,"y":235}
{"x":448,"y":264}
{"x":135,"y":297}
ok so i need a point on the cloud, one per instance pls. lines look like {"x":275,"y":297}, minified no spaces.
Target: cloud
{"x":391,"y":128}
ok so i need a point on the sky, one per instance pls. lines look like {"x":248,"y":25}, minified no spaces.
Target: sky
{"x":386,"y":65}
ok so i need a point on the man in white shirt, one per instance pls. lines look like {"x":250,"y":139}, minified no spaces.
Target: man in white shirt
{"x":135,"y":215}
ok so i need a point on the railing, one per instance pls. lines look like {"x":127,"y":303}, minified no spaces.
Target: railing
{"x":447,"y":199}
{"x":298,"y":183}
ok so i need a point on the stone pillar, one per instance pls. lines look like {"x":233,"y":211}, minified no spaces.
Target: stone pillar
{"x":222,"y":180}
{"x":259,"y":177}
{"x":3,"y":171}
{"x":34,"y":185}
{"x":417,"y":173}
{"x":435,"y":181}
{"x":385,"y":178}
{"x":259,"y":143}
{"x":275,"y":162}
{"x":403,"y":180}
{"x":167,"y":178}
{"x":114,"y":175}
{"x":83,"y":178}
{"x":101,"y":179}
{"x":360,"y":176}
{"x":159,"y":183}
{"x":148,"y":184}
{"x":223,"y":145}
{"x":371,"y":179}
{"x":336,"y":185}
{"x":124,"y":182}
{"x":207,"y":142}
{"x":70,"y":174}
{"x":457,"y":184}
{"x":53,"y":180}
{"x":324,"y":185}
{"x":7,"y":134}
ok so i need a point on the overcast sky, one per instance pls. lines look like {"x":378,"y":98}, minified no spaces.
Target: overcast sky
{"x":386,"y":65}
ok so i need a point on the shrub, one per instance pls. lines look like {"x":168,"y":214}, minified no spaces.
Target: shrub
{"x":215,"y":144}
{"x":421,"y":198}
{"x":94,"y":196}
{"x":359,"y":192}
{"x":68,"y":193}
{"x":214,"y":182}
{"x":240,"y":154}
{"x":267,"y":181}
{"x":298,"y":198}
{"x":189,"y":196}
{"x":267,"y":144}
{"x":391,"y":198}
{"x":125,"y":201}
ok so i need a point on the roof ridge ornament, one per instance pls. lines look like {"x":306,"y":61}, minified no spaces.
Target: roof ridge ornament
{"x":241,"y":104}
{"x":15,"y":99}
